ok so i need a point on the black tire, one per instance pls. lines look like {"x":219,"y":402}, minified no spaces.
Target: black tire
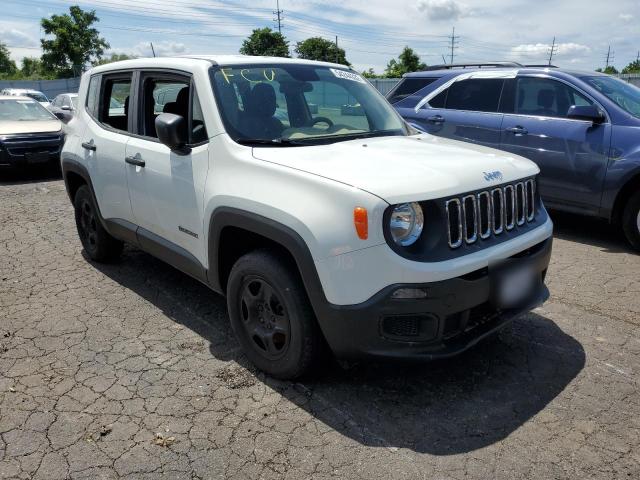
{"x":271,"y":315}
{"x":631,"y":220}
{"x":99,"y":245}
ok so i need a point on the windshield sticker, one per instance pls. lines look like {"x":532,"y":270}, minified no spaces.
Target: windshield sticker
{"x":354,"y":77}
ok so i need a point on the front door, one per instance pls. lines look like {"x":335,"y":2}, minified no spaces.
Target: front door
{"x":166,"y":186}
{"x":572,"y":154}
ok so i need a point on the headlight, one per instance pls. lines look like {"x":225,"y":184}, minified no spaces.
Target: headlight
{"x":406,"y":223}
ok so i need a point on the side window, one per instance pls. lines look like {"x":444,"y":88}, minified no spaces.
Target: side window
{"x":92,"y":96}
{"x":408,"y":86}
{"x":477,"y":95}
{"x":114,"y":102}
{"x":198,"y":129}
{"x":546,"y":97}
{"x":439,"y":100}
{"x":162,"y":94}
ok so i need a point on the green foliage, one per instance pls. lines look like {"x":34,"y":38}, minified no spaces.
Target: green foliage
{"x":610,"y":70}
{"x":265,"y":42}
{"x":8,"y":67}
{"x":633,"y":67}
{"x":32,"y":69}
{"x":317,"y":48}
{"x":408,"y":61}
{"x":370,"y":74}
{"x":115,"y":57}
{"x":75,"y":43}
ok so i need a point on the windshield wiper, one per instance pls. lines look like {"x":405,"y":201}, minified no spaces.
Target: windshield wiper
{"x":276,"y":142}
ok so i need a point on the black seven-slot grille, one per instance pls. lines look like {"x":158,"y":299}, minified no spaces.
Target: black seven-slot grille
{"x":489,"y":212}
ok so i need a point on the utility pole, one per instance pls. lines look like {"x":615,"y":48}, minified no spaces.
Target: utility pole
{"x":454,"y":43}
{"x":554,"y":47}
{"x":609,"y":58}
{"x":337,"y":52}
{"x":152,"y":49}
{"x":279,"y":16}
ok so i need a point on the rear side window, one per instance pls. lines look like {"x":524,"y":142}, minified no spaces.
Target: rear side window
{"x":408,"y":86}
{"x":476,"y":95}
{"x":92,"y":96}
{"x":114,"y":101}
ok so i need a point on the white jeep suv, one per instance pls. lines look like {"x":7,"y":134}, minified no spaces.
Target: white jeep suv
{"x":323,"y":225}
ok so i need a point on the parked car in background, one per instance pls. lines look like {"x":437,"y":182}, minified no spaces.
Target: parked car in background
{"x":353,"y":231}
{"x":64,"y":106}
{"x":28,"y":92}
{"x":30,"y":135}
{"x":581,"y":128}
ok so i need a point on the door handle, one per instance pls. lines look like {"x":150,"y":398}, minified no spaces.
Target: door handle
{"x":135,"y":160}
{"x":89,"y":146}
{"x":436,"y":119}
{"x":517,"y":130}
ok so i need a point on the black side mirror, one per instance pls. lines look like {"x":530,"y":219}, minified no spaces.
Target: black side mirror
{"x":589,"y":113}
{"x":172,"y":131}
{"x":63,"y":115}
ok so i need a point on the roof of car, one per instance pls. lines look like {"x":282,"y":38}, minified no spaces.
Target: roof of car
{"x":22,"y":90}
{"x":187,"y":61}
{"x":16,"y":97}
{"x":457,"y":71}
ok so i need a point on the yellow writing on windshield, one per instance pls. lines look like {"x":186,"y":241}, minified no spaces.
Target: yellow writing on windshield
{"x":250,"y":74}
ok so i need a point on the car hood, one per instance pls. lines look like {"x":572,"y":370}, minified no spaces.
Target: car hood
{"x":405,"y":169}
{"x":37,"y":126}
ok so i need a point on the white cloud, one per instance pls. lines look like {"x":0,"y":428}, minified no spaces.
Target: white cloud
{"x":441,"y":9}
{"x":17,"y":38}
{"x":162,"y":49}
{"x":537,"y":50}
{"x":626,"y":17}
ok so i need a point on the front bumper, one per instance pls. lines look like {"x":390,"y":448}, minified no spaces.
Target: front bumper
{"x":23,"y":150}
{"x":456,"y":314}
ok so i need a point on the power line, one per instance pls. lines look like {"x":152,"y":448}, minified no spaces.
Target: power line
{"x":552,"y":50}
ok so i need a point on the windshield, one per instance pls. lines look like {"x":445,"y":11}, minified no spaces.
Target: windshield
{"x":23,"y":110}
{"x":38,"y":97}
{"x":625,"y":95}
{"x":300,"y":104}
{"x":74,"y":102}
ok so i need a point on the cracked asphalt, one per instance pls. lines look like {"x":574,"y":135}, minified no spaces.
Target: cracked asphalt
{"x":130,"y":371}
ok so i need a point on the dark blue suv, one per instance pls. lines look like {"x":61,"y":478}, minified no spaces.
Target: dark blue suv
{"x":581,"y":128}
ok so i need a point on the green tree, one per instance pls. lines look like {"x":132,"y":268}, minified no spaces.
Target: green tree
{"x":317,"y":48}
{"x":8,"y":67}
{"x":408,"y":61}
{"x":370,"y":74}
{"x":633,"y":67}
{"x":75,"y":44}
{"x":610,"y":70}
{"x":32,"y":68}
{"x":115,"y":57}
{"x":265,"y":42}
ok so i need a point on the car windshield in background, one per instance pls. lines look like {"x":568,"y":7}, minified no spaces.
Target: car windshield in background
{"x":38,"y":97}
{"x":23,"y":110}
{"x":74,"y":102}
{"x":625,"y":95}
{"x":301,"y":104}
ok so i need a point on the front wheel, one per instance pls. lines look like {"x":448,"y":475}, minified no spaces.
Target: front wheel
{"x":271,"y":315}
{"x":631,"y":221}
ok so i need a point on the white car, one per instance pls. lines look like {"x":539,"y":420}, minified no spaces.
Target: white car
{"x":28,"y":92}
{"x":352,"y":231}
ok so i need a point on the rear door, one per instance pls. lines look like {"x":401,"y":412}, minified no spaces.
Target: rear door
{"x":167,"y":187}
{"x":572,"y":154}
{"x":104,"y":142}
{"x":467,"y":111}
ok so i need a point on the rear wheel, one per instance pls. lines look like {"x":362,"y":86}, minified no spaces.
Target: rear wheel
{"x":631,"y":220}
{"x":271,"y":315}
{"x":99,"y":245}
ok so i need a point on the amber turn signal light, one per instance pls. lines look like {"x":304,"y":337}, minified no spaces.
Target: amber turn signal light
{"x":361,"y":222}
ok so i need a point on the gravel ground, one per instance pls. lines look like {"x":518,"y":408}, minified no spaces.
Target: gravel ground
{"x":131,"y":371}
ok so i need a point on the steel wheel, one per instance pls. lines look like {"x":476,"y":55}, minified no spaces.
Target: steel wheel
{"x":264,"y":318}
{"x":88,"y":225}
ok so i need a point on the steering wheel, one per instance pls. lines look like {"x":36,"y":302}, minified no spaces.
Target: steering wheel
{"x":321,"y":120}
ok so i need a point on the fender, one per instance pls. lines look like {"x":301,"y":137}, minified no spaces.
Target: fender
{"x":622,"y":175}
{"x":232,"y":217}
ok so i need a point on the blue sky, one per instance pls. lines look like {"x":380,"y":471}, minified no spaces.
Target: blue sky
{"x":371,"y":31}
